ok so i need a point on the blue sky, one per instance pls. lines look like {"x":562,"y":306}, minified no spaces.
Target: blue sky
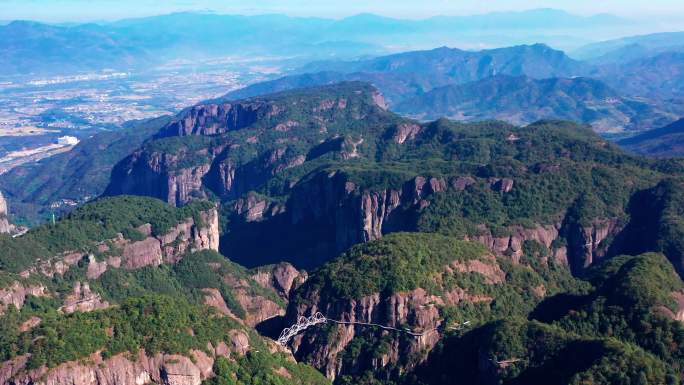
{"x":82,"y":10}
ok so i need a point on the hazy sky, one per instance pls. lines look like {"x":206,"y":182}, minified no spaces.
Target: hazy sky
{"x":80,"y":10}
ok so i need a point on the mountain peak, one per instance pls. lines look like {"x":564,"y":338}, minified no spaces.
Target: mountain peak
{"x":273,"y":110}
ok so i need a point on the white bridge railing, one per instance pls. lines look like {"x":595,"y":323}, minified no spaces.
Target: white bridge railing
{"x":304,"y":323}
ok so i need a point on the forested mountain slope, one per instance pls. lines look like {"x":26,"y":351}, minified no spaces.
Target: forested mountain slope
{"x":500,"y":246}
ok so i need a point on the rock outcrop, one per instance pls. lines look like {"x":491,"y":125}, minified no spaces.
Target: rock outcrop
{"x":160,"y":175}
{"x":212,"y":119}
{"x":83,"y":299}
{"x":257,"y":308}
{"x":16,"y":294}
{"x":132,"y":255}
{"x":586,"y":242}
{"x":281,"y":278}
{"x":416,"y":310}
{"x":121,"y":253}
{"x":5,"y":225}
{"x":358,"y":215}
{"x":515,"y":238}
{"x":124,"y":369}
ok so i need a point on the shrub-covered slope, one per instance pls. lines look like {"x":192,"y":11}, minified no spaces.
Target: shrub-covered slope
{"x":624,"y":331}
{"x":53,"y":184}
{"x":425,"y":283}
{"x":128,"y":290}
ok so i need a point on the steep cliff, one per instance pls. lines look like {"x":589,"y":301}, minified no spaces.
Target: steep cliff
{"x":428,"y":284}
{"x":40,"y":255}
{"x":129,"y":290}
{"x":212,"y":119}
{"x":151,"y":340}
{"x":229,"y":148}
{"x":655,"y":224}
{"x":303,"y":175}
{"x":178,"y":257}
{"x":5,"y":226}
{"x":604,"y":335}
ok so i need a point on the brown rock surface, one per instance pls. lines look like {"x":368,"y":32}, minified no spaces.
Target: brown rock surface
{"x":83,"y":299}
{"x":16,"y":294}
{"x":281,"y":278}
{"x":405,"y":132}
{"x":143,"y":253}
{"x":416,"y":310}
{"x":126,"y":368}
{"x":5,"y":226}
{"x":213,"y":298}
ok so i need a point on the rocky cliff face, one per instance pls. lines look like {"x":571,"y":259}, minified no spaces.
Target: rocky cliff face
{"x":417,"y":310}
{"x":151,"y":251}
{"x":5,"y":226}
{"x":121,"y":253}
{"x":126,"y":369}
{"x":587,"y":243}
{"x":159,"y":175}
{"x":281,"y":278}
{"x":229,"y":148}
{"x":212,"y":119}
{"x":344,"y":214}
{"x":16,"y":293}
{"x":357,"y":215}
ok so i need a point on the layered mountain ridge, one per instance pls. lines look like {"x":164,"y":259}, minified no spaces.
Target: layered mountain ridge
{"x":521,"y":100}
{"x":457,"y":232}
{"x":447,"y":82}
{"x":664,"y":142}
{"x":308,"y":162}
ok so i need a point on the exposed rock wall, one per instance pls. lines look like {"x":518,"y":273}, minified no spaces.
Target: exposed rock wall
{"x":125,"y":369}
{"x":212,"y":119}
{"x":416,"y":309}
{"x":281,"y":278}
{"x":83,"y":299}
{"x":586,"y":243}
{"x":151,"y":251}
{"x":358,"y":215}
{"x":16,"y":294}
{"x":159,"y":175}
{"x":5,"y":226}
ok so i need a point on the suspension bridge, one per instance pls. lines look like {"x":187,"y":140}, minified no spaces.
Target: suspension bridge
{"x":318,"y":318}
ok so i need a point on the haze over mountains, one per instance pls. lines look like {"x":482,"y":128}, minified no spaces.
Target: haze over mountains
{"x":612,"y":97}
{"x":521,"y":100}
{"x":510,"y":215}
{"x":520,"y":85}
{"x":30,"y":47}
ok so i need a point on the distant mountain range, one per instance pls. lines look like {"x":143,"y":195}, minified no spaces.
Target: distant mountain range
{"x":518,"y":84}
{"x":30,"y":47}
{"x":522,"y":100}
{"x":662,"y":142}
{"x":632,"y":47}
{"x":659,"y":77}
{"x":405,"y":75}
